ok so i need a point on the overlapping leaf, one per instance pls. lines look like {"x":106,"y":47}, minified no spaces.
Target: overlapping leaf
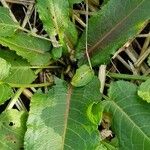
{"x":20,"y":72}
{"x":4,"y":69}
{"x":7,"y":25}
{"x":33,"y":49}
{"x":65,"y":118}
{"x":5,"y":92}
{"x":144,"y":90}
{"x":74,"y":2}
{"x":82,"y":76}
{"x":5,"y":89}
{"x":130,"y":116}
{"x":56,"y":21}
{"x":12,"y":127}
{"x":116,"y":23}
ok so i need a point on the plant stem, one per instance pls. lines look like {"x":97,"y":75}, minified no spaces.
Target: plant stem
{"x":36,"y":67}
{"x":44,"y":67}
{"x":14,"y":99}
{"x":127,"y":76}
{"x":29,"y":85}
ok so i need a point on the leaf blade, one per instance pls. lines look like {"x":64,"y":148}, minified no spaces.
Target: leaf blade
{"x":115,"y":24}
{"x":56,"y":21}
{"x":33,"y":49}
{"x":6,"y":92}
{"x":20,"y":72}
{"x":12,"y":127}
{"x":63,"y":122}
{"x":4,"y":69}
{"x":129,"y":116}
{"x":7,"y":25}
{"x":83,"y":76}
{"x":144,"y":91}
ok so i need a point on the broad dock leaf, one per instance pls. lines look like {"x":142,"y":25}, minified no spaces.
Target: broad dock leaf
{"x":110,"y":28}
{"x":12,"y":127}
{"x":33,"y":49}
{"x":7,"y":25}
{"x":20,"y":72}
{"x":65,"y":118}
{"x":130,"y":116}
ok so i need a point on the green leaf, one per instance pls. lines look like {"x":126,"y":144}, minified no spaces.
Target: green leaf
{"x":33,"y":49}
{"x":71,"y":2}
{"x":70,"y":36}
{"x":144,"y":90}
{"x":83,"y":76}
{"x":64,"y":122}
{"x":56,"y":20}
{"x":5,"y":92}
{"x":111,"y":145}
{"x":20,"y":72}
{"x":56,"y":52}
{"x":130,"y":116}
{"x":12,"y":127}
{"x":54,"y":15}
{"x":111,"y":27}
{"x":4,"y":68}
{"x":7,"y":25}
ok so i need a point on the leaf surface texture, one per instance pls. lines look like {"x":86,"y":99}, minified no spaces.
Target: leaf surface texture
{"x":111,"y":27}
{"x":67,"y":121}
{"x":130,"y":116}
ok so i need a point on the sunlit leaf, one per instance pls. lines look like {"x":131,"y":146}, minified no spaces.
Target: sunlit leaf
{"x":83,"y":76}
{"x":64,"y":119}
{"x":4,"y":69}
{"x":12,"y":127}
{"x":74,"y":1}
{"x":5,"y":92}
{"x":56,"y":52}
{"x":144,"y":90}
{"x":20,"y":71}
{"x":56,"y":20}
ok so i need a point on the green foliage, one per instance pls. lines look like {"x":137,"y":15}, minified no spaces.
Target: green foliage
{"x":33,"y":49}
{"x":130,"y":116}
{"x":12,"y":127}
{"x":54,"y":15}
{"x":71,"y":2}
{"x":19,"y":72}
{"x":83,"y":76}
{"x":4,"y":69}
{"x":6,"y":92}
{"x":7,"y":25}
{"x":56,"y":21}
{"x":144,"y":90}
{"x":56,"y":53}
{"x":66,"y":115}
{"x":115,"y":24}
{"x":65,"y":121}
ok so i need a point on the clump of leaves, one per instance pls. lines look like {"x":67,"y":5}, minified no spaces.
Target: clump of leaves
{"x":49,"y":81}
